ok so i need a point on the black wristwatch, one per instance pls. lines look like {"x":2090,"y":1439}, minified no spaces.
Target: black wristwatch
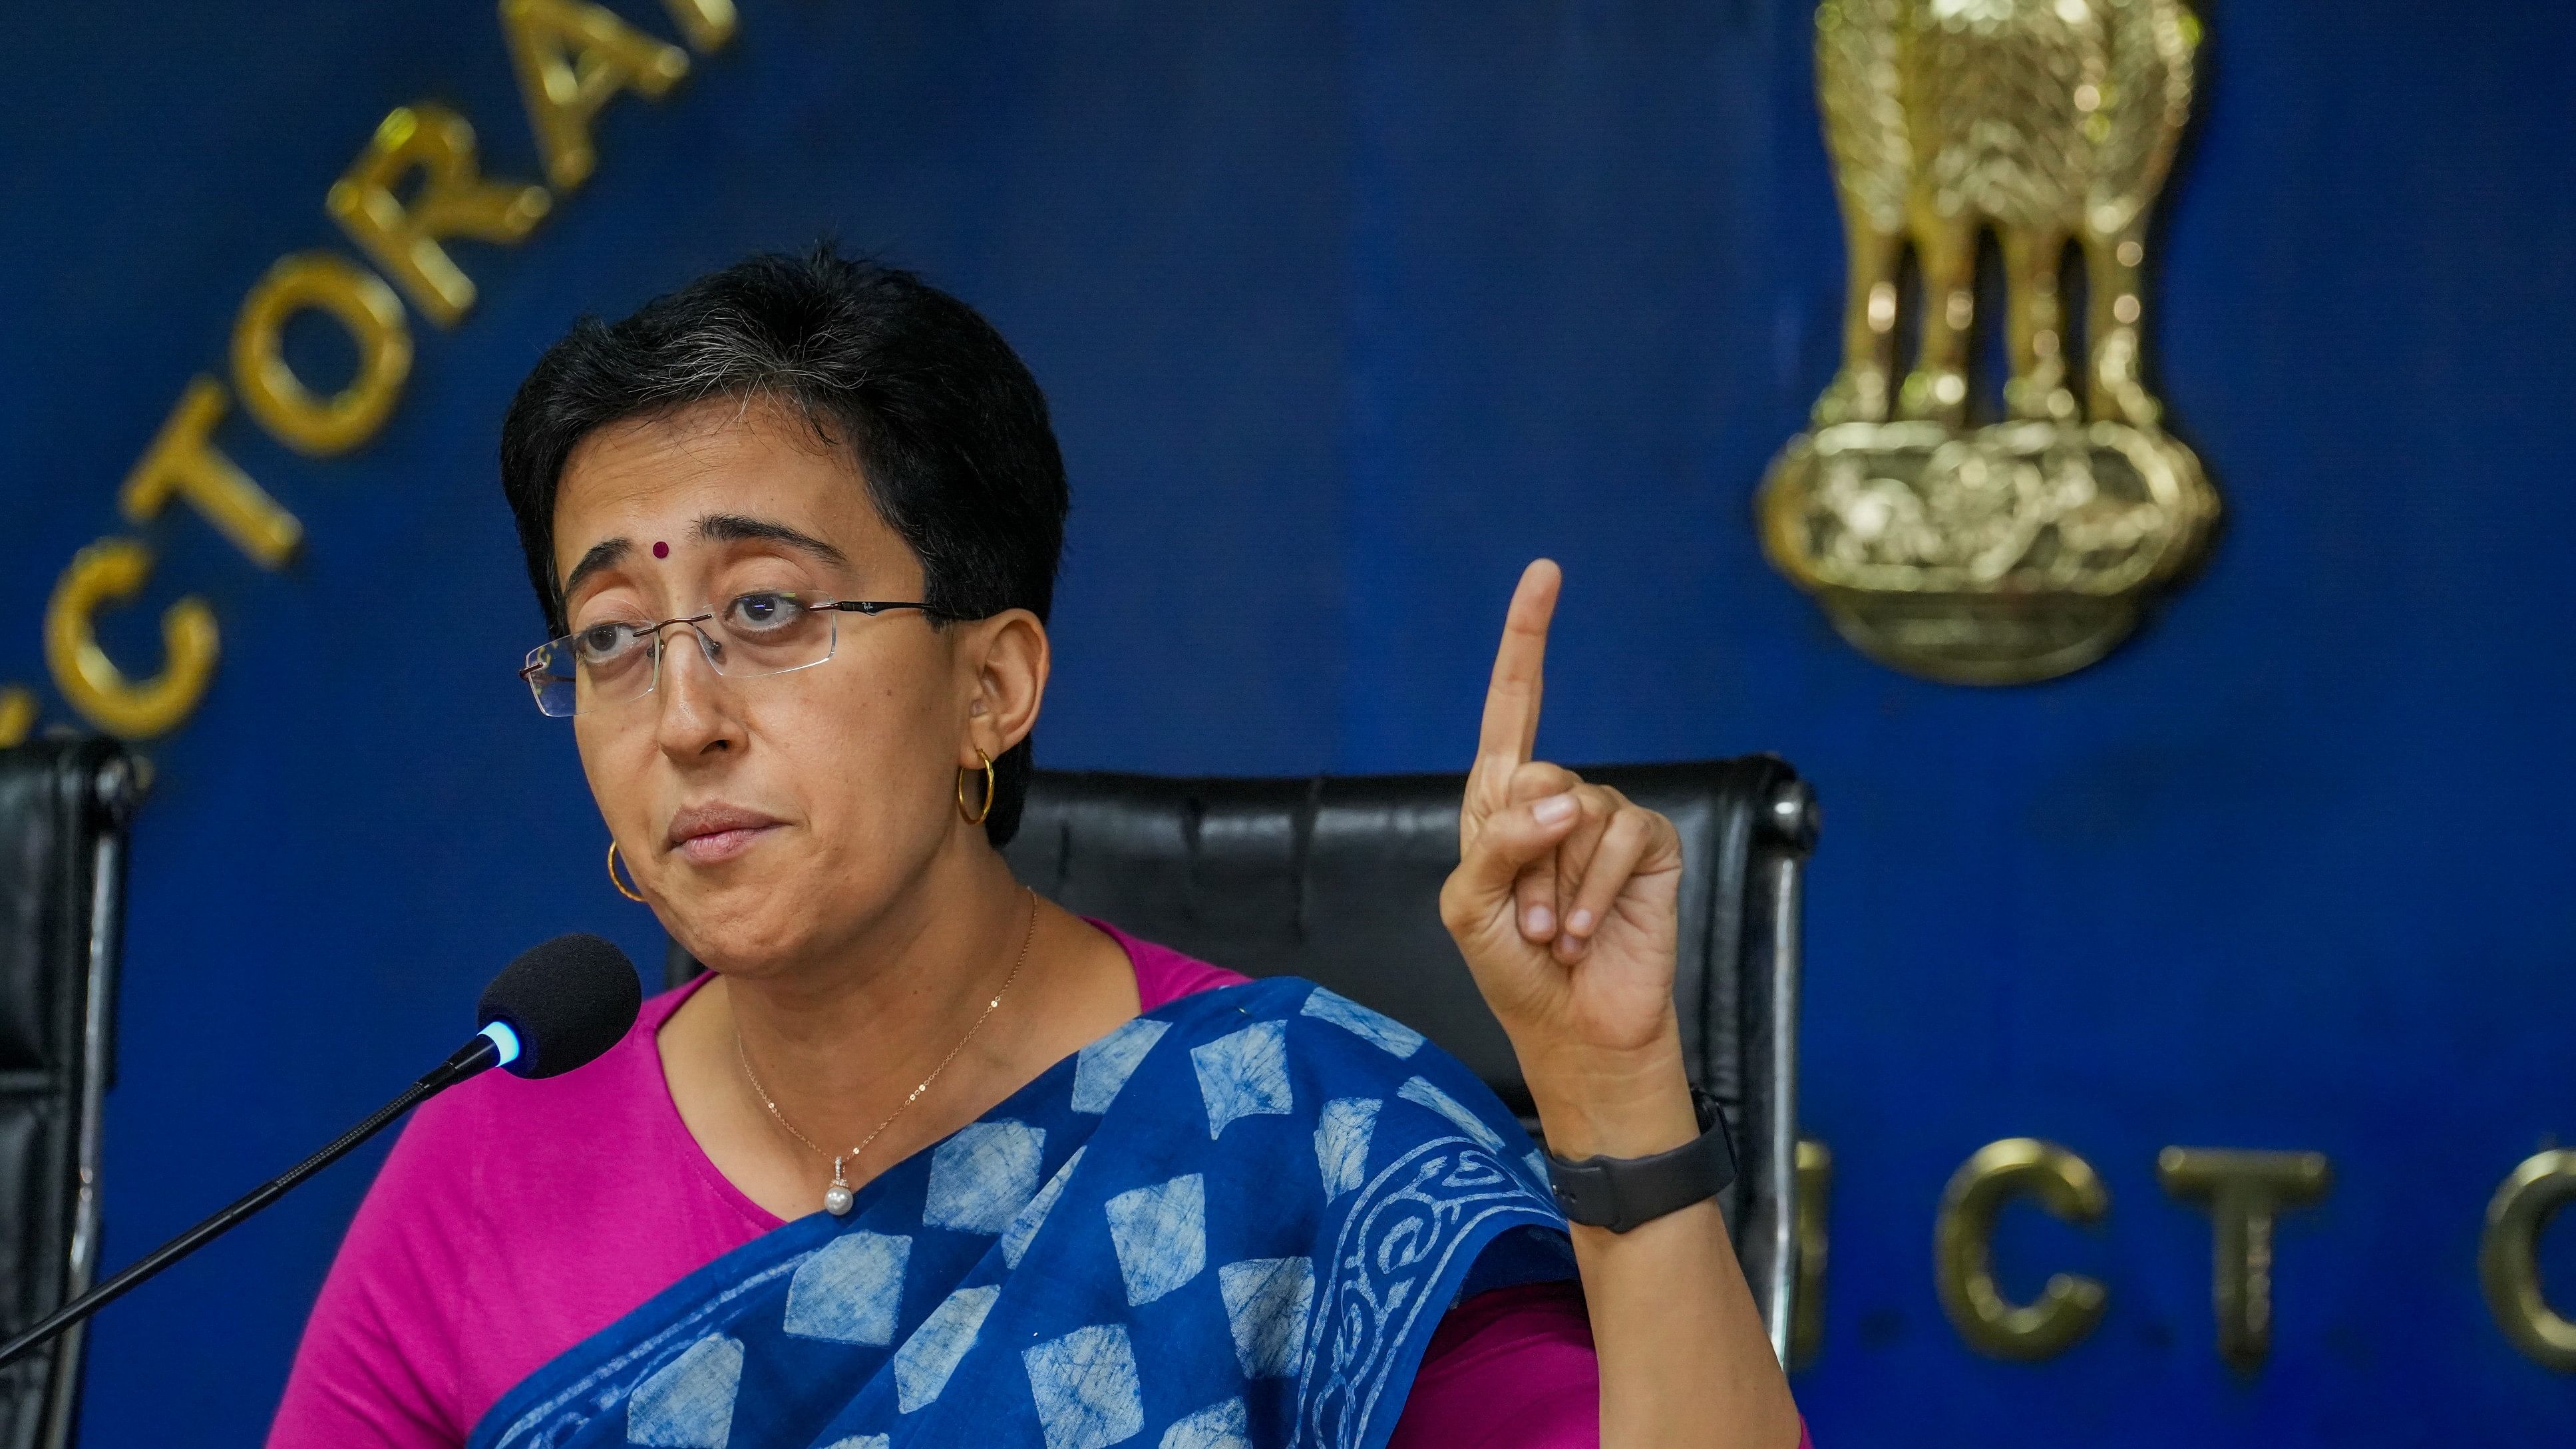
{"x":1621,"y":1193}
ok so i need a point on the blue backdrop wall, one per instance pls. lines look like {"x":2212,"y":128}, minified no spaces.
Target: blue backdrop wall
{"x":1347,"y":310}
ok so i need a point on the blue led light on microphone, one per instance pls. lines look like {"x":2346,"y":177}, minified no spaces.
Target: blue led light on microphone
{"x":506,"y":1040}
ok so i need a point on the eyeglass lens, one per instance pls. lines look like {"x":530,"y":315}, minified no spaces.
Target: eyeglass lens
{"x":613,"y":661}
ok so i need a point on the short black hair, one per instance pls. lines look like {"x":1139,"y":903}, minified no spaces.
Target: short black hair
{"x":948,"y":428}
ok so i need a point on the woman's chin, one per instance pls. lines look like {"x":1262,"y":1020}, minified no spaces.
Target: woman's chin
{"x":749,"y":956}
{"x":765,"y":913}
{"x":743,"y":930}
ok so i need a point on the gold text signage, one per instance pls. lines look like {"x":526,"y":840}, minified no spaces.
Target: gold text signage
{"x":416,"y":186}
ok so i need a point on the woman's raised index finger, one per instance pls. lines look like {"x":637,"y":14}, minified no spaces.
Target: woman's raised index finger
{"x":1512,"y":701}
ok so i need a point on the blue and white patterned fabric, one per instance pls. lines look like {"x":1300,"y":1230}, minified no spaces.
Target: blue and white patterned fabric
{"x":1232,"y":1222}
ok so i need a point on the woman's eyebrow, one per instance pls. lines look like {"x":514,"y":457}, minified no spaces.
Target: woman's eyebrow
{"x":601,"y":556}
{"x":735,"y":528}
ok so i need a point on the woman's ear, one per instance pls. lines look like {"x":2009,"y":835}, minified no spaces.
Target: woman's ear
{"x":1009,"y":658}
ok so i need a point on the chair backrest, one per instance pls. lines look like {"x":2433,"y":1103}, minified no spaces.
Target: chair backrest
{"x":63,"y":810}
{"x":1337,"y":878}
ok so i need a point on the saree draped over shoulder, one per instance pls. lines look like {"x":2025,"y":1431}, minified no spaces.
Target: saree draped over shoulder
{"x":1232,"y":1222}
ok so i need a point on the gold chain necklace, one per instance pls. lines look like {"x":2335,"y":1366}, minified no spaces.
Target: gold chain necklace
{"x":837,"y":1197}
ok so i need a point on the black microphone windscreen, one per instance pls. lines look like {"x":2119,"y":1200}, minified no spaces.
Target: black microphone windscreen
{"x":568,"y":999}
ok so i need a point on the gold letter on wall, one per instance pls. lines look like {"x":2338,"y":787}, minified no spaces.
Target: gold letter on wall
{"x":572,"y":57}
{"x":325,"y":282}
{"x":17,"y":715}
{"x":110,"y":569}
{"x":182,"y":461}
{"x":453,"y":200}
{"x":1963,"y":1249}
{"x":707,"y":23}
{"x":2244,"y":1192}
{"x":1807,"y":1310}
{"x":2509,"y":1261}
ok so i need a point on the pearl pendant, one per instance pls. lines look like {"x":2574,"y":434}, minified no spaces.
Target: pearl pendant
{"x":836,"y":1200}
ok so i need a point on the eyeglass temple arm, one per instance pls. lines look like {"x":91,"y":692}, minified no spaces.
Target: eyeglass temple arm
{"x":877,"y":606}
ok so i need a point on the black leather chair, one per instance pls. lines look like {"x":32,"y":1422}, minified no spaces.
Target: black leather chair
{"x":64,"y":805}
{"x":1337,"y":879}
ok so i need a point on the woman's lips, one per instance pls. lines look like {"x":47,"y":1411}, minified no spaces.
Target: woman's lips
{"x":705,"y":834}
{"x":721,"y":844}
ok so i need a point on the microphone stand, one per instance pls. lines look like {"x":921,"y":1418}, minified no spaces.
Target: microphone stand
{"x":473,"y":1057}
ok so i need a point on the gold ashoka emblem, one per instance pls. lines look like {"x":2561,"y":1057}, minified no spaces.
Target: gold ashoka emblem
{"x":2025,"y":548}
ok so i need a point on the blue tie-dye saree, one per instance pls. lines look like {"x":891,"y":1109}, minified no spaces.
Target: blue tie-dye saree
{"x":1233,"y":1222}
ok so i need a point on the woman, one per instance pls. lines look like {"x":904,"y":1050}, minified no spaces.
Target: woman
{"x":925,"y":1158}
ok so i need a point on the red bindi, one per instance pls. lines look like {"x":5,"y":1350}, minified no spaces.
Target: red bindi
{"x":661,"y":550}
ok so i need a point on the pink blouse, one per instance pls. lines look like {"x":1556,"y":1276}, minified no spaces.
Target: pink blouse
{"x":516,"y":1218}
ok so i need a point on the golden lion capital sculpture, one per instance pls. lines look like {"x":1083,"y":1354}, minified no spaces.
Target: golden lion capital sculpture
{"x":2025,"y":548}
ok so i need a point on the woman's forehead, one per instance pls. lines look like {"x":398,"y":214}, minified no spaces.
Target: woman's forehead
{"x":697,"y":475}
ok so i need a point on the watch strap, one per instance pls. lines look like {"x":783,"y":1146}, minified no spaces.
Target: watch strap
{"x":1625,"y":1193}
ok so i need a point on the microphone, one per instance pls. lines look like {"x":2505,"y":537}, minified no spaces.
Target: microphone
{"x":561,"y":1005}
{"x":558,"y":1006}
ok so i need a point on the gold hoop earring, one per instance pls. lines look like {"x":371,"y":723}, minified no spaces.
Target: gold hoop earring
{"x":976,"y":817}
{"x":622,"y":890}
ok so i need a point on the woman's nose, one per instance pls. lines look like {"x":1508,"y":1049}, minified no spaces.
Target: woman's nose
{"x":687,"y":674}
{"x":711,"y":647}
